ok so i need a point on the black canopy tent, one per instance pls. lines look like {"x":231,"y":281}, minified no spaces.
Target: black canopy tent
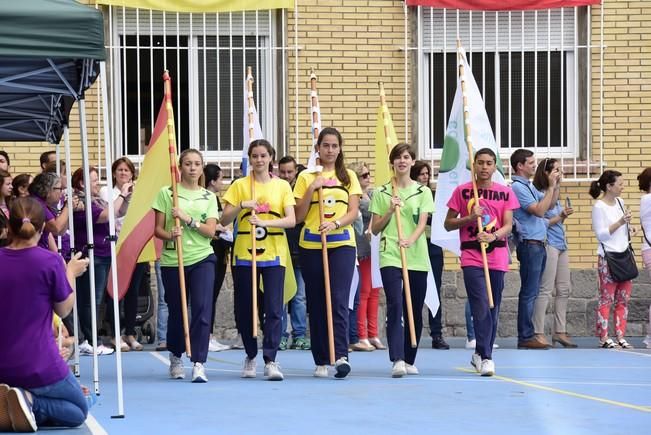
{"x":49,"y":55}
{"x":51,"y":52}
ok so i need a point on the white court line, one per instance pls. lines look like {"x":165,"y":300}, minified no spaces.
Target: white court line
{"x":161,"y":358}
{"x":94,"y":427}
{"x":576,"y":367}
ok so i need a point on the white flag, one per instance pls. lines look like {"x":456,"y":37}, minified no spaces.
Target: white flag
{"x":316,"y":125}
{"x":454,"y":168}
{"x":255,"y":125}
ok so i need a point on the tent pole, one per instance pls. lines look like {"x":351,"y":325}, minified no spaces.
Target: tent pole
{"x":71,"y":230}
{"x":113,"y":240}
{"x":58,"y":172}
{"x":90,"y":239}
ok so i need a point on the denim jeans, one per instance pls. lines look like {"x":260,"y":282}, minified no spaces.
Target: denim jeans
{"x":298,"y":309}
{"x":84,"y":307}
{"x":484,"y":318}
{"x":60,"y":404}
{"x":470,"y":329}
{"x":532,"y":258}
{"x":161,"y":320}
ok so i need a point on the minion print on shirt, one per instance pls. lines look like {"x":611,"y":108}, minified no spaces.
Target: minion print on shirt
{"x":271,"y":243}
{"x":335,"y":206}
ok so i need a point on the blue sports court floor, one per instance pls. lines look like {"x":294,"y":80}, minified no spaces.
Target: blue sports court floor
{"x":557,"y":391}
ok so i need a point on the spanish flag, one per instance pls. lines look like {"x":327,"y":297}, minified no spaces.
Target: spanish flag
{"x":136,"y":241}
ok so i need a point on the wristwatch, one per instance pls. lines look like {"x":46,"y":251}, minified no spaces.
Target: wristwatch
{"x":194,"y":224}
{"x":337,"y":224}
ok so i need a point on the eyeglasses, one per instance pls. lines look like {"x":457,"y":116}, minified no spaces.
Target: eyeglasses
{"x":424,"y":173}
{"x":366,"y":175}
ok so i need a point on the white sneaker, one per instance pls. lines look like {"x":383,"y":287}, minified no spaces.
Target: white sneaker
{"x":475,"y":361}
{"x":411,"y":369}
{"x":272,"y":371}
{"x":470,"y":344}
{"x":647,"y":341}
{"x":85,"y":348}
{"x":103,"y":350}
{"x":321,"y":372}
{"x":199,"y":373}
{"x":215,"y":346}
{"x":398,"y":370}
{"x":342,"y":368}
{"x":176,"y":367}
{"x":487,"y":367}
{"x":249,"y":368}
{"x":496,"y":346}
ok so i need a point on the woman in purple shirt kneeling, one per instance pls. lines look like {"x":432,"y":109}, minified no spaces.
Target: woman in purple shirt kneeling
{"x":36,"y":386}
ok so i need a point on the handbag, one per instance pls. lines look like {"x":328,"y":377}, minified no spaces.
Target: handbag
{"x":622,"y":265}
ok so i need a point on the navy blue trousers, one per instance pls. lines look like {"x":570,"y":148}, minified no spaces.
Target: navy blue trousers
{"x":397,"y":327}
{"x":342,"y":263}
{"x":199,"y":279}
{"x":273,"y":279}
{"x":484,"y":319}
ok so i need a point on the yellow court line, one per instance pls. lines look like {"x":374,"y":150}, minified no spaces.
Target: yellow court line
{"x":565,"y":392}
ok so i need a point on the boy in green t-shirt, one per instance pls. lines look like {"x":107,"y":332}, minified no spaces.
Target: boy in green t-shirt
{"x":415,"y":202}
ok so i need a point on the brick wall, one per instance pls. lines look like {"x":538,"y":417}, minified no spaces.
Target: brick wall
{"x":353,"y":44}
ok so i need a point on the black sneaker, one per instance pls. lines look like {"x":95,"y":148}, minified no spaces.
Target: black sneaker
{"x":439,"y":343}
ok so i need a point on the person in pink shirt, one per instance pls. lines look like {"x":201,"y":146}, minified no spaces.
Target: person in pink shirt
{"x":495,"y":208}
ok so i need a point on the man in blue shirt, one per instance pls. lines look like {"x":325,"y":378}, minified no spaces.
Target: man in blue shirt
{"x":532,"y":230}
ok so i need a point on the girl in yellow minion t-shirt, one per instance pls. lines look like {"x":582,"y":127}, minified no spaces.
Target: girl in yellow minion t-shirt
{"x":341,"y":193}
{"x":274,"y":210}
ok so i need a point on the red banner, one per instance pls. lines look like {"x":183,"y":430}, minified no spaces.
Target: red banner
{"x":504,"y":5}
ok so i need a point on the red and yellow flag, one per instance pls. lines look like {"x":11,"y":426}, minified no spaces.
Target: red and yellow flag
{"x":136,"y":241}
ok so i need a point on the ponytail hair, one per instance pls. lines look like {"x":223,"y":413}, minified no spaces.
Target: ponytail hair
{"x":608,"y":177}
{"x":340,"y":167}
{"x":26,"y":218}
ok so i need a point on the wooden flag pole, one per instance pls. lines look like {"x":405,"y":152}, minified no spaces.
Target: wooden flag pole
{"x":403,"y":252}
{"x":175,"y":201}
{"x":254,"y":262}
{"x":324,"y":242}
{"x":467,"y":130}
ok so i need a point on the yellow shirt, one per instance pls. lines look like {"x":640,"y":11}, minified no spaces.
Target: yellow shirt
{"x":271,"y":243}
{"x":335,"y":206}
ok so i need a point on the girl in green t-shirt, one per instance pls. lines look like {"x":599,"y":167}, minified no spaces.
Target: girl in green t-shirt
{"x":198,"y":214}
{"x":415,"y":202}
{"x":341,"y":192}
{"x":274,"y":207}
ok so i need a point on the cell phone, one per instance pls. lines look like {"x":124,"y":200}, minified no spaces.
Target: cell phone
{"x":568,"y":203}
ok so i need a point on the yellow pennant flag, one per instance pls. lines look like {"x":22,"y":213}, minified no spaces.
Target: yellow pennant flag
{"x":201,"y":5}
{"x":383,"y":145}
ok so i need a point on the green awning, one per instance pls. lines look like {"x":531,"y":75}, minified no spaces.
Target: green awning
{"x":51,"y":28}
{"x":49,"y":55}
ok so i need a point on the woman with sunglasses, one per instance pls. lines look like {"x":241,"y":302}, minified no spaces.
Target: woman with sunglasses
{"x":557,"y":267}
{"x":367,"y":311}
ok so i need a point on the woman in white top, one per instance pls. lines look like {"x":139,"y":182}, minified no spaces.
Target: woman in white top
{"x":610,"y":224}
{"x":644,"y":182}
{"x":124,"y":173}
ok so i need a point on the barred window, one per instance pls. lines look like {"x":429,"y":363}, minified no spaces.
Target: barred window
{"x":532,"y":69}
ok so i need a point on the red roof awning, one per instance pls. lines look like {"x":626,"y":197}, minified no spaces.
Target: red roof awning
{"x":504,"y":5}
